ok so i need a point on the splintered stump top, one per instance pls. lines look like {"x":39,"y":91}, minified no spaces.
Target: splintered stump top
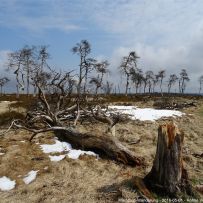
{"x":168,"y":175}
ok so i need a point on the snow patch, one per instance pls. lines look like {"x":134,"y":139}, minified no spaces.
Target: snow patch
{"x":57,"y":147}
{"x":30,"y":177}
{"x":57,"y":158}
{"x":61,"y":147}
{"x":144,"y":114}
{"x":74,"y":154}
{"x":6,"y":183}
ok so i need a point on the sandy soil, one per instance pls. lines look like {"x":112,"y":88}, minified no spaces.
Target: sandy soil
{"x":88,"y":179}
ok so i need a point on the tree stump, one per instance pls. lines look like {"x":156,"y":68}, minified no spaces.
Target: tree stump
{"x":168,"y":175}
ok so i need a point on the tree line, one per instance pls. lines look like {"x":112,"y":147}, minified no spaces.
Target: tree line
{"x":31,"y":63}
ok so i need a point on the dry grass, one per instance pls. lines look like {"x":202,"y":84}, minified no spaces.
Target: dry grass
{"x":87,"y":179}
{"x":7,"y":117}
{"x":201,"y":111}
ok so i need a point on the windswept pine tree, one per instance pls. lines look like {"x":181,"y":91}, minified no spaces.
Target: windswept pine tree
{"x":128,"y":64}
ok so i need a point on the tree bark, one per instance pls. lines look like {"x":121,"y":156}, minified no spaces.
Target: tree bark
{"x":168,"y":175}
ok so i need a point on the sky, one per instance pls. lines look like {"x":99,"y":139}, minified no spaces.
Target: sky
{"x":166,"y":34}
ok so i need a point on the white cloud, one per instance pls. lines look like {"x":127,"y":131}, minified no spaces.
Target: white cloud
{"x":165,"y":33}
{"x":170,"y":58}
{"x":36,"y":16}
{"x":3,"y":59}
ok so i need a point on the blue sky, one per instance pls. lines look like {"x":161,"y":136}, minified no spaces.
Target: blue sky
{"x":166,"y":34}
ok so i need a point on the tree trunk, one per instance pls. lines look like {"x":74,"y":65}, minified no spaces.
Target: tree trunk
{"x":168,"y":175}
{"x":145,"y":87}
{"x":126,"y":87}
{"x":28,"y":82}
{"x":161,"y":85}
{"x":17,"y":91}
{"x":105,"y":146}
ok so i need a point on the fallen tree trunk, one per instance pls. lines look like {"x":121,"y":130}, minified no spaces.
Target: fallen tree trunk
{"x":168,"y":175}
{"x":105,"y":146}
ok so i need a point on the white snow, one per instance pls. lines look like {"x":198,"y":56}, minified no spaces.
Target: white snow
{"x":30,"y":177}
{"x":74,"y":154}
{"x":6,"y":183}
{"x":57,"y":147}
{"x":61,"y":147}
{"x":144,"y":114}
{"x":57,"y":158}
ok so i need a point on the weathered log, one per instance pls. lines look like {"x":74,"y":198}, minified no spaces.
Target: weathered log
{"x":105,"y":146}
{"x":168,"y":175}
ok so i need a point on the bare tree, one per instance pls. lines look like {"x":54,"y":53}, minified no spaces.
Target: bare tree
{"x":58,"y":116}
{"x":15,"y":60}
{"x":182,"y":80}
{"x":28,"y":62}
{"x":200,"y":83}
{"x":137,"y":78}
{"x":82,"y":49}
{"x":90,"y":65}
{"x":160,"y":76}
{"x":42,"y":57}
{"x":155,"y":80}
{"x":3,"y":82}
{"x":172,"y":80}
{"x":127,"y":64}
{"x":102,"y":69}
{"x":149,"y":75}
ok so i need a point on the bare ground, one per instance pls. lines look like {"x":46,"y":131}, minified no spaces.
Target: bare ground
{"x":88,"y":179}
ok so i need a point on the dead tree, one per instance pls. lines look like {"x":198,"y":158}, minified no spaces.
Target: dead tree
{"x":168,"y":175}
{"x":15,"y":60}
{"x":28,"y":63}
{"x":54,"y":115}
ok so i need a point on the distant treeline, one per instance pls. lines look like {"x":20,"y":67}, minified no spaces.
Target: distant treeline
{"x":31,"y":63}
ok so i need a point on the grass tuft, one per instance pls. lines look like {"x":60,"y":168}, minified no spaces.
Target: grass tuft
{"x":8,"y":116}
